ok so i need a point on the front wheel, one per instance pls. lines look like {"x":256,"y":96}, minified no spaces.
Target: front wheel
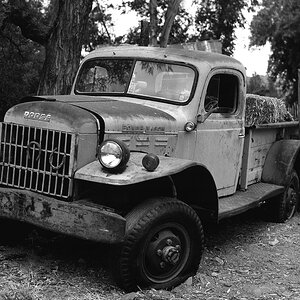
{"x":163,"y":245}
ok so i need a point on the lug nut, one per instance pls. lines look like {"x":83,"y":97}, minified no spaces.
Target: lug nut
{"x":178,"y":248}
{"x":159,"y":252}
{"x":169,"y":242}
{"x":162,"y":265}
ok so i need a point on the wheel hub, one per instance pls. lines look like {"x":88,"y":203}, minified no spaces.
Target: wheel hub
{"x":171,"y":254}
{"x":164,"y":251}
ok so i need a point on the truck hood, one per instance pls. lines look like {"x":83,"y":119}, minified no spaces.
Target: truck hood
{"x":122,"y":116}
{"x":52,"y":115}
{"x":81,"y":113}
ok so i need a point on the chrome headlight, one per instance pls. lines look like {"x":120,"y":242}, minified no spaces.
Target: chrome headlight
{"x":113,"y":155}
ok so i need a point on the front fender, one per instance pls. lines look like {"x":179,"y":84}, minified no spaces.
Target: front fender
{"x":192,"y":182}
{"x":281,"y":159}
{"x":134,"y":172}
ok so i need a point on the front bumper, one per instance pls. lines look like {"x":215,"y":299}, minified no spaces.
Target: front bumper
{"x":79,"y":219}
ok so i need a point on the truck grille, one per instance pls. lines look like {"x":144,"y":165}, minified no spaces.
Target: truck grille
{"x":36,"y":159}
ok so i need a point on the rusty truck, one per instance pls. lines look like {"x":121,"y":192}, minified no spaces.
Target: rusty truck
{"x":150,"y":144}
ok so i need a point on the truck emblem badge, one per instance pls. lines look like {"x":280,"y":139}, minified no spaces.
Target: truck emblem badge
{"x":143,"y":129}
{"x":37,"y":116}
{"x":59,"y":165}
{"x":33,"y":145}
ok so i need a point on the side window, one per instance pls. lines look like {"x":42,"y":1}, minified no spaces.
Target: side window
{"x":222,"y":93}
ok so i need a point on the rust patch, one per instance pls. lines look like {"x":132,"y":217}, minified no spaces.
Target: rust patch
{"x":6,"y":203}
{"x":30,"y":207}
{"x":21,"y":205}
{"x":80,"y":216}
{"x":46,"y":212}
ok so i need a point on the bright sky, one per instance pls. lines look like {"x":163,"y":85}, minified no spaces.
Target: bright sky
{"x":255,"y":60}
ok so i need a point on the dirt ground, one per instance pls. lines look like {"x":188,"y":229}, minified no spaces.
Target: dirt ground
{"x":245,"y":258}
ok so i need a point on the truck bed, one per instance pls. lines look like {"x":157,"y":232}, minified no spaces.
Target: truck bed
{"x":242,"y":201}
{"x":258,"y":141}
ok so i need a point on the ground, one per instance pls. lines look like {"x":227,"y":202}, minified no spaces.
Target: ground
{"x":245,"y":258}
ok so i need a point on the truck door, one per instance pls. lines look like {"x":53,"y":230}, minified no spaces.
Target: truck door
{"x":220,"y":129}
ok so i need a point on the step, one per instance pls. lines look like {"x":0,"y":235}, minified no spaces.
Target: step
{"x":242,"y":201}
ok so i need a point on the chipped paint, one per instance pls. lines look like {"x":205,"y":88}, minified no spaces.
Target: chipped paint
{"x":134,"y":172}
{"x":72,"y":218}
{"x":46,"y":212}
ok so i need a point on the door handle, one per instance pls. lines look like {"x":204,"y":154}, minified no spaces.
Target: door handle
{"x":241,"y":135}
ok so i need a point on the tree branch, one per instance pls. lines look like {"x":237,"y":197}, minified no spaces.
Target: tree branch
{"x":13,"y":43}
{"x":171,"y":13}
{"x":104,"y":23}
{"x":23,"y":16}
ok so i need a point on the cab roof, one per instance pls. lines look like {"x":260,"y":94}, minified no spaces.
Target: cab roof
{"x":214,"y":60}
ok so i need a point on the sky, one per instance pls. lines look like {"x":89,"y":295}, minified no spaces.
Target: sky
{"x":255,"y":59}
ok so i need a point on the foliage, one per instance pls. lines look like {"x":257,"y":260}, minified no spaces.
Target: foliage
{"x":261,"y":85}
{"x":20,"y":63}
{"x":256,"y":85}
{"x":218,"y":19}
{"x":179,"y":32}
{"x":134,"y":36}
{"x":100,"y":26}
{"x":60,"y":28}
{"x":180,"y":26}
{"x":278,"y":22}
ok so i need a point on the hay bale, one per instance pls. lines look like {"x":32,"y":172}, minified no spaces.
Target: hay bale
{"x":263,"y":110}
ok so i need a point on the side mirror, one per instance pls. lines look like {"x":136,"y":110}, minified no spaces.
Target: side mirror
{"x":211,"y":107}
{"x":202,"y":118}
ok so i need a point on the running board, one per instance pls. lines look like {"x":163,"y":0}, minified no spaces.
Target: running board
{"x":242,"y":201}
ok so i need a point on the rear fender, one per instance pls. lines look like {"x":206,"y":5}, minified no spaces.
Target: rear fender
{"x":281,"y":159}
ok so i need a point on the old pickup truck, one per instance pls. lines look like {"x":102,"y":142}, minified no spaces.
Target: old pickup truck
{"x":149,"y":144}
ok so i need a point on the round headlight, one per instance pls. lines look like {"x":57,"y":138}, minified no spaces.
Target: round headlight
{"x":113,"y":155}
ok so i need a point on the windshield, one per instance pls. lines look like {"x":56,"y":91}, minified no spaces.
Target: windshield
{"x":157,"y":80}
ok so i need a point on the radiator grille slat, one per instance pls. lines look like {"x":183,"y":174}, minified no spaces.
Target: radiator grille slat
{"x":37,"y":159}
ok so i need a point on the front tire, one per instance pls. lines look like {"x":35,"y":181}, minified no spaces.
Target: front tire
{"x":163,"y":245}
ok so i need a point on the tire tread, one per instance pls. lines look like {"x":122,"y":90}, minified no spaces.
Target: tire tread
{"x":139,"y":220}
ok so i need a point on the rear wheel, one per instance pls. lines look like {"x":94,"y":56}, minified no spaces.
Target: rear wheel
{"x":163,"y":245}
{"x":287,"y":203}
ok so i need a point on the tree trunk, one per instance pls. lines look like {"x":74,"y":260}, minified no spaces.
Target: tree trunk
{"x":145,"y":32}
{"x":63,"y":47}
{"x":169,"y":19}
{"x":153,"y":22}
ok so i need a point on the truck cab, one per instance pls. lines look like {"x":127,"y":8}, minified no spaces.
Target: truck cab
{"x":149,"y":144}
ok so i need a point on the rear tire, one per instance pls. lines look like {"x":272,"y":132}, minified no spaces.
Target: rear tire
{"x":162,"y":247}
{"x":287,"y":203}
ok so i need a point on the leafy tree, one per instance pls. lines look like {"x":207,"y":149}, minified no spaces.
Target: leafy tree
{"x":215,"y":19}
{"x":218,"y":19}
{"x":100,"y":26}
{"x":20,"y":64}
{"x":261,"y":85}
{"x":278,"y":22}
{"x":60,"y":28}
{"x":256,"y":85}
{"x":167,"y":20}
